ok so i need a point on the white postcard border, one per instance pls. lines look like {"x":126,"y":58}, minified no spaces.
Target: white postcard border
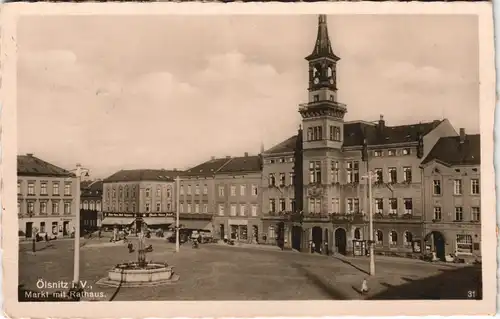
{"x":136,"y":309}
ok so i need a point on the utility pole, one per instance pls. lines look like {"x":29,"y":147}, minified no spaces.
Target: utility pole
{"x":177,"y":204}
{"x":369,"y":177}
{"x":76,"y":258}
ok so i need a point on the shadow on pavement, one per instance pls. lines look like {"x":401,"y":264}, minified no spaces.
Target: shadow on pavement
{"x":461,"y":283}
{"x":352,"y":265}
{"x":325,"y":287}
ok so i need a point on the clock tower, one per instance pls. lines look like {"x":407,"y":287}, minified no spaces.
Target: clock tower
{"x":322,"y":115}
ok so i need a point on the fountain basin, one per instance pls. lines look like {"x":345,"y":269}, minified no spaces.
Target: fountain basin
{"x":134,"y":274}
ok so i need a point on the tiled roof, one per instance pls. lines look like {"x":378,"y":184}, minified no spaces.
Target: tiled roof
{"x":207,"y":168}
{"x":286,"y":146}
{"x":29,"y":165}
{"x":242,"y":164}
{"x":449,"y":150}
{"x":91,"y":188}
{"x":137,"y":175}
{"x":356,"y":132}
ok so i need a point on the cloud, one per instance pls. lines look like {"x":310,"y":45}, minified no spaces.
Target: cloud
{"x":123,"y":100}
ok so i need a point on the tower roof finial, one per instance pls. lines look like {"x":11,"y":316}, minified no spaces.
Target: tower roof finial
{"x":323,"y":46}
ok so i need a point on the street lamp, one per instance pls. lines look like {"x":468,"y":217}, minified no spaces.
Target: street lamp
{"x":177,"y":204}
{"x":369,"y":177}
{"x":76,"y":270}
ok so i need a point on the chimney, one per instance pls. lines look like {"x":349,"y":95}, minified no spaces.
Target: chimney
{"x":462,"y":135}
{"x":212,"y":158}
{"x":30,"y":154}
{"x":246,"y":154}
{"x":381,"y":122}
{"x":175,"y":169}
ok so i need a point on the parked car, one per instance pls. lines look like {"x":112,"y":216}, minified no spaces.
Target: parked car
{"x":195,"y":236}
{"x":206,"y":236}
{"x":41,"y":236}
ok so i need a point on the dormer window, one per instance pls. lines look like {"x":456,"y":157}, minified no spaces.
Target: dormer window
{"x":406,"y":151}
{"x":377,"y":153}
{"x":391,"y":153}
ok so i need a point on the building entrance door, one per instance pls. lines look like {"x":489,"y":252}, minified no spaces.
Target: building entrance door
{"x":29,"y":229}
{"x":296,"y":237}
{"x":341,"y":240}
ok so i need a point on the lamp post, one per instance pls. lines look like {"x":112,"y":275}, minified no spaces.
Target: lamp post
{"x":177,"y":204}
{"x":76,"y":259}
{"x":369,"y":177}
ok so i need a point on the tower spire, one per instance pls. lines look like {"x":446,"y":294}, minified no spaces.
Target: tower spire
{"x":323,"y":46}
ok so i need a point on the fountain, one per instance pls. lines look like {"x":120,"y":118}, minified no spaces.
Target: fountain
{"x":140,"y":273}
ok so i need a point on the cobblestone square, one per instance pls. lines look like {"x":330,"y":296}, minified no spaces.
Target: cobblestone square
{"x":215,"y":272}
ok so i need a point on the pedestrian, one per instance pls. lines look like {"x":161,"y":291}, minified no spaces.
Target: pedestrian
{"x":364,"y":286}
{"x":99,"y":233}
{"x":326,"y":249}
{"x":313,"y":247}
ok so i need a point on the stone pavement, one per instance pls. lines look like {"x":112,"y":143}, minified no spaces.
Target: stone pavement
{"x":221,"y":272}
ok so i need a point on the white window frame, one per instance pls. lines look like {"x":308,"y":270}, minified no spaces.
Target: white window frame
{"x":393,"y":242}
{"x":476,"y":214}
{"x":475,"y":186}
{"x":407,"y":174}
{"x":410,"y":201}
{"x":282,"y":204}
{"x":391,"y":170}
{"x":459,"y":213}
{"x":189,"y":208}
{"x":393,"y":210}
{"x":379,"y":205}
{"x":457,"y":187}
{"x":220,"y":210}
{"x":438,"y":213}
{"x":254,"y":210}
{"x":436,"y":184}
{"x":233,"y":190}
{"x":43,"y":188}
{"x":464,"y":244}
{"x":233,"y":210}
{"x":335,"y":205}
{"x":243,"y":210}
{"x":221,"y":191}
{"x":243,"y":190}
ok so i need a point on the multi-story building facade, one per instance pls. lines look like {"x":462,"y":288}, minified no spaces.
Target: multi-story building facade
{"x":48,"y":198}
{"x":452,"y":197}
{"x":132,"y":198}
{"x":197,"y":200}
{"x":238,"y":199}
{"x":335,"y":157}
{"x":90,"y":205}
{"x":222,"y":195}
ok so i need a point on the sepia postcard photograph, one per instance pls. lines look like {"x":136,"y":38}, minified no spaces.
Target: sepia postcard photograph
{"x":248,"y":159}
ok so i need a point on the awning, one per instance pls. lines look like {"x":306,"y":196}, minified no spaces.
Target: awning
{"x":117,"y":221}
{"x":158,"y":220}
{"x":196,"y":224}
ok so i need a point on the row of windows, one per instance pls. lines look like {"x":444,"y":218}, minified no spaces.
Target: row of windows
{"x":125,"y":207}
{"x":283,"y":205}
{"x":92,"y":205}
{"x":238,"y":210}
{"x":352,"y":205}
{"x":196,"y":190}
{"x":475,"y":213}
{"x":404,"y":151}
{"x":457,"y":187}
{"x":43,"y":208}
{"x":44,"y":188}
{"x":392,"y":175}
{"x":242,"y":190}
{"x":315,"y":133}
{"x":204,"y":208}
{"x":352,"y":172}
{"x":282,"y":179}
{"x":393,"y":238}
{"x":147,"y":193}
{"x":289,"y":159}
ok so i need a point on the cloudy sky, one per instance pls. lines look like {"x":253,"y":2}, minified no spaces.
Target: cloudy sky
{"x":170,"y":91}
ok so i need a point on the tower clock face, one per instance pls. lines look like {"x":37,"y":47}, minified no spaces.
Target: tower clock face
{"x":316,"y":80}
